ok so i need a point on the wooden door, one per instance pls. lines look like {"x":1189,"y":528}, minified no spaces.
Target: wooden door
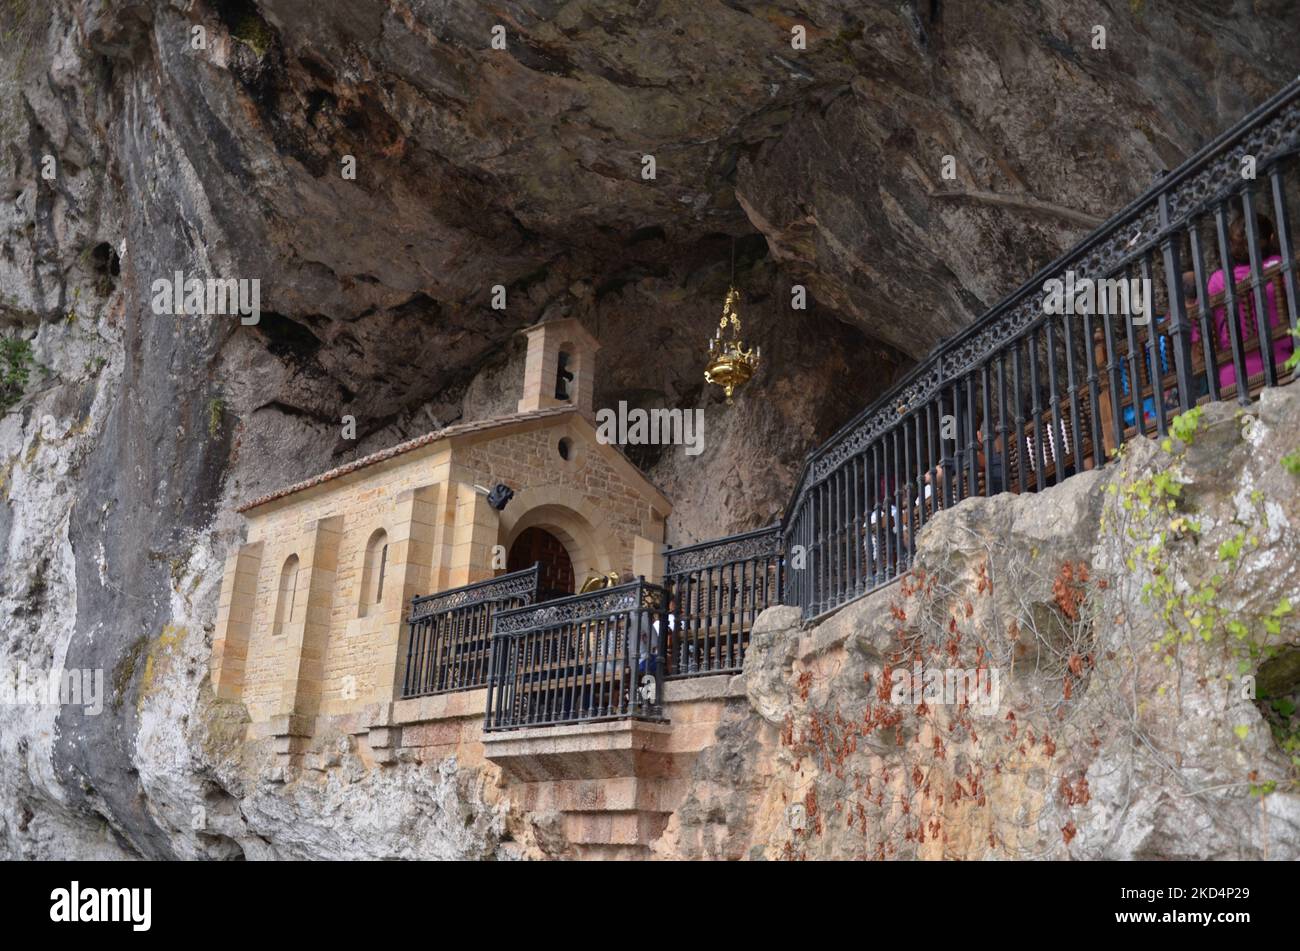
{"x":537,"y":545}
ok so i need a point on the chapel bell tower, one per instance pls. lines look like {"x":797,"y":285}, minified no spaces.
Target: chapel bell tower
{"x":559,"y":367}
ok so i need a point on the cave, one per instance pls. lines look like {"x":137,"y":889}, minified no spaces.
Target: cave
{"x":823,"y":230}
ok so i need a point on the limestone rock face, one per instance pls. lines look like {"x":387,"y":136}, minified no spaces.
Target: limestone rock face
{"x":478,"y":167}
{"x":1127,"y":719}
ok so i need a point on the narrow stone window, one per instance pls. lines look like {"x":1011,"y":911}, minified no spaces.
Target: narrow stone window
{"x":287,"y":595}
{"x":372,"y":573}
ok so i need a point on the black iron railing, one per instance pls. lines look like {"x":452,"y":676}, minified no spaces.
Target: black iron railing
{"x":596,"y":656}
{"x":451,"y":632}
{"x":716,"y":589}
{"x":1029,"y":395}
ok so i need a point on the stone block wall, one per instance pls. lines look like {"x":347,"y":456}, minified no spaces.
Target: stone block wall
{"x":350,"y":642}
{"x":595,"y":483}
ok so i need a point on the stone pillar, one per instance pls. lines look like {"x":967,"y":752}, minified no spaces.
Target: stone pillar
{"x":477,"y":526}
{"x":308,"y":636}
{"x":444,"y":533}
{"x":583,"y":388}
{"x":539,"y":370}
{"x":235,"y":620}
{"x":648,"y":559}
{"x":410,"y":560}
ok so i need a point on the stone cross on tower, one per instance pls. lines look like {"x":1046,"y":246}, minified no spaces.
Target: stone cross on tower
{"x":559,"y":367}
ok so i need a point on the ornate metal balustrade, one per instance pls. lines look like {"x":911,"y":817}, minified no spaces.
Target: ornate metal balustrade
{"x":451,"y":632}
{"x":716,"y":589}
{"x":1023,"y":398}
{"x":596,"y":656}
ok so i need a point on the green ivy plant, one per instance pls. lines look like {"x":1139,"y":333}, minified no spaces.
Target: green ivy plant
{"x":216,"y":411}
{"x":1291,"y":461}
{"x":1293,"y":361}
{"x":15,"y":369}
{"x":1152,"y":515}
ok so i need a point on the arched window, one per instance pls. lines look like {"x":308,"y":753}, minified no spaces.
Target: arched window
{"x":287,"y":595}
{"x":563,"y":376}
{"x":373,"y":571}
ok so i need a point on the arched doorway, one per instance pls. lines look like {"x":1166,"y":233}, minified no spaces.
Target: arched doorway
{"x":537,"y":545}
{"x":591,"y":546}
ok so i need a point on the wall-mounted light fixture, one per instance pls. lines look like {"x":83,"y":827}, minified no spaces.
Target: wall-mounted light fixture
{"x":497,"y":497}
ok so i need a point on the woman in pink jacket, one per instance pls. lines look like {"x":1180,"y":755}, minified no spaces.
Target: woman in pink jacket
{"x":1247,"y":322}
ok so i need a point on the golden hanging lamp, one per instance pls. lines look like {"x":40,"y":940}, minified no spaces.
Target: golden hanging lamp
{"x":730,"y":364}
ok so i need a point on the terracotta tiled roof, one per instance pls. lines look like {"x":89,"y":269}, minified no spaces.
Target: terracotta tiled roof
{"x":457,"y":430}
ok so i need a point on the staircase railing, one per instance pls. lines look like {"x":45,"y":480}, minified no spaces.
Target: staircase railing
{"x":716,"y":590}
{"x":1047,"y":383}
